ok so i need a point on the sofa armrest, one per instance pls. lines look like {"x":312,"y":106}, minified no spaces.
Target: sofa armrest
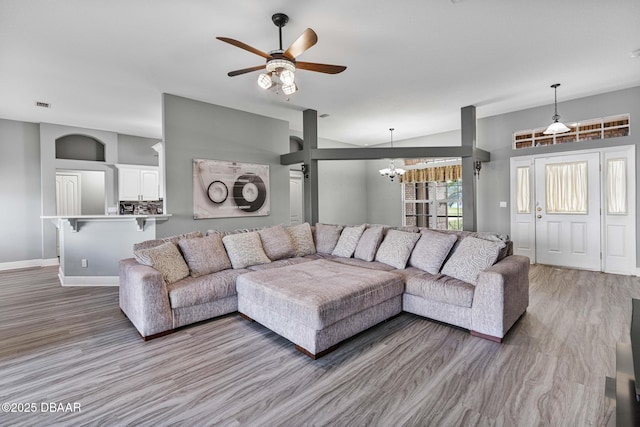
{"x":144,"y":298}
{"x":501,"y":297}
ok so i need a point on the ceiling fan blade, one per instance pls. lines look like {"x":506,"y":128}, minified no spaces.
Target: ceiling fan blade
{"x":307,"y":39}
{"x":320,"y":68}
{"x":244,"y":46}
{"x":245,"y":70}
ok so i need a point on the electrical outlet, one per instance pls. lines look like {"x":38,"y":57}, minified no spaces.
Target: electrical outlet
{"x":503,"y":204}
{"x":84,"y":263}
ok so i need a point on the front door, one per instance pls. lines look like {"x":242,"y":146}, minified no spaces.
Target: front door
{"x":567,"y":211}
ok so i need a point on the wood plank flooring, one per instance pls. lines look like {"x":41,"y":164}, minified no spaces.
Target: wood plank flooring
{"x":73,"y":345}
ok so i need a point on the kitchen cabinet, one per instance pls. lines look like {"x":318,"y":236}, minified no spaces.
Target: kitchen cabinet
{"x":138,"y":183}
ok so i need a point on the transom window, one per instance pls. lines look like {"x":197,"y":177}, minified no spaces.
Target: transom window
{"x":585,"y":130}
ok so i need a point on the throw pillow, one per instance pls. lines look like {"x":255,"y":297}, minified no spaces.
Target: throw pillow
{"x":431,"y":251}
{"x":173,"y":239}
{"x":396,"y":248}
{"x":205,"y":255}
{"x":165,"y":258}
{"x":471,"y":257}
{"x":302,"y":239}
{"x":368,"y":244}
{"x":245,"y":249}
{"x":327,"y":237}
{"x":348,"y":241}
{"x":277,"y":243}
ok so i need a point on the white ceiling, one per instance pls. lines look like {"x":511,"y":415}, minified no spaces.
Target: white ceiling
{"x":412,"y":64}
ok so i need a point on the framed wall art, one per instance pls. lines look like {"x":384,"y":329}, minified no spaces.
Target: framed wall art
{"x":223,"y":189}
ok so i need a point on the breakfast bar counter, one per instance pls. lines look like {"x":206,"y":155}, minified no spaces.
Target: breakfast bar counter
{"x":90,"y":246}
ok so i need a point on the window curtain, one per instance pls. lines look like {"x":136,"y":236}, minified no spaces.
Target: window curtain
{"x":523,"y":190}
{"x":617,"y":186}
{"x":566,"y":188}
{"x":442,"y":173}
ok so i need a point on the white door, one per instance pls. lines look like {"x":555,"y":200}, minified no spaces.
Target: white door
{"x":67,"y":194}
{"x":567,"y":211}
{"x":296,"y":205}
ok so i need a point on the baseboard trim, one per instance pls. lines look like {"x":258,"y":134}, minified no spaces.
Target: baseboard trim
{"x":29,"y":263}
{"x":88,"y":280}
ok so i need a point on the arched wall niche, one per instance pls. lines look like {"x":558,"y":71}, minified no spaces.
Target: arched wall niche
{"x":295,"y":144}
{"x":80,"y":147}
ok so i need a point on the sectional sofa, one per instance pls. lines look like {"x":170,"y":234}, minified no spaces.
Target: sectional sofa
{"x":317,"y":286}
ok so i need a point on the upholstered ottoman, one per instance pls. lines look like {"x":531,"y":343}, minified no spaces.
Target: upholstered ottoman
{"x":320,"y":303}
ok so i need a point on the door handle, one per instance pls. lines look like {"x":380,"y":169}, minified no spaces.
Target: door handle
{"x":538,"y":216}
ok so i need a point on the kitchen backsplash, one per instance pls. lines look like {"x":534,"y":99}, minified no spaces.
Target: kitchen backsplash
{"x":141,"y":208}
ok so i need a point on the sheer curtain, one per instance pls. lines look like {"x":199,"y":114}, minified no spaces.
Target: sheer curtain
{"x":523,"y":190}
{"x":617,"y":186}
{"x":566,"y":188}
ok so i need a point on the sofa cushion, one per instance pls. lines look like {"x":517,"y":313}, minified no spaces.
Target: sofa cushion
{"x":245,"y":249}
{"x":277,"y":243}
{"x":173,"y":239}
{"x":440,"y":288}
{"x":369,"y":243}
{"x":371,"y":265}
{"x":201,"y":290}
{"x":471,"y":257}
{"x":302,"y":239}
{"x":348,"y":241}
{"x":279,"y":263}
{"x":327,"y":237}
{"x":204,"y":255}
{"x":431,"y":251}
{"x":396,"y":248}
{"x":165,"y":258}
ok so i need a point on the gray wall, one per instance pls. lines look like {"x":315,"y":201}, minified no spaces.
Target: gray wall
{"x":342,"y":187}
{"x":20,"y":224}
{"x":93,"y":196}
{"x":136,"y":150}
{"x":495,"y":136}
{"x":194,"y":129}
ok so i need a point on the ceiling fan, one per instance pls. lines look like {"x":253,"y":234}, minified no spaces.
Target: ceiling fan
{"x":282,"y":63}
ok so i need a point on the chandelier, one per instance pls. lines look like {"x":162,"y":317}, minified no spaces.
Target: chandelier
{"x":391,"y":171}
{"x":280,"y":72}
{"x":557,"y":126}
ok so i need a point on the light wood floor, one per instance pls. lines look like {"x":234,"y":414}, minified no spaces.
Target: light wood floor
{"x":73,"y":345}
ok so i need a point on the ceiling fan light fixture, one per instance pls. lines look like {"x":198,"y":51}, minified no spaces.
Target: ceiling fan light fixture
{"x":278,"y":65}
{"x":557,"y":126}
{"x":289,"y":89}
{"x":287,"y":77}
{"x":264,"y":81}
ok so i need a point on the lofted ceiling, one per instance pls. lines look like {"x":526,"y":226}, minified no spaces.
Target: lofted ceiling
{"x":412,"y":64}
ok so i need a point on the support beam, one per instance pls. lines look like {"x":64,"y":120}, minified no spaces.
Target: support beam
{"x":385,"y":153}
{"x":469,"y":209}
{"x":309,"y":144}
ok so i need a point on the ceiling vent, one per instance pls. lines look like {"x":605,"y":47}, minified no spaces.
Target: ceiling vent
{"x":43,"y":104}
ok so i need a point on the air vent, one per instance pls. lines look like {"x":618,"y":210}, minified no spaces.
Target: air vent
{"x":43,"y":104}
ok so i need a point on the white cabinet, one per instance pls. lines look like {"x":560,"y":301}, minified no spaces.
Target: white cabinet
{"x":138,"y":183}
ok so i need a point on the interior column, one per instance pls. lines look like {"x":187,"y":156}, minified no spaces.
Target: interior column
{"x":468,"y":130}
{"x":310,"y":143}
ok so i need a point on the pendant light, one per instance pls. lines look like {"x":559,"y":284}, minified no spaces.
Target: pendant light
{"x":557,"y":126}
{"x":391,"y":172}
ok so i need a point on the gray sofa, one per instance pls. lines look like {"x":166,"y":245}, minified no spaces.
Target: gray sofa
{"x":317,"y":286}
